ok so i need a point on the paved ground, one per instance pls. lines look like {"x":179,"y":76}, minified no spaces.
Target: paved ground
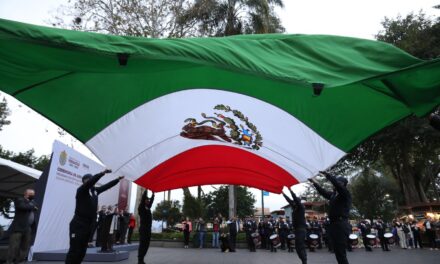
{"x":213,"y":256}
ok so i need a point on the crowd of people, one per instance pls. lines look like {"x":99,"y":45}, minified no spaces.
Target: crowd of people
{"x":112,"y":227}
{"x":335,"y":232}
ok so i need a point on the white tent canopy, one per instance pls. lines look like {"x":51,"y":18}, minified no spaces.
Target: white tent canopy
{"x":15,"y":178}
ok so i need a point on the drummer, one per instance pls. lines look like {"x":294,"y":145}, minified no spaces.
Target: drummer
{"x":299,"y":224}
{"x":365,"y":228}
{"x":250,"y":227}
{"x":380,"y":226}
{"x":283,"y":228}
{"x":272,"y":231}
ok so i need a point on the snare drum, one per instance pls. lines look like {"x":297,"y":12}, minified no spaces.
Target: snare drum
{"x":313,"y":239}
{"x":371,"y":239}
{"x":291,"y":239}
{"x":275,"y":240}
{"x":256,"y":238}
{"x":389,"y":238}
{"x":353,"y":239}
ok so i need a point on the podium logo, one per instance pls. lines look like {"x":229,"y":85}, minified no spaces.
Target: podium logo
{"x":63,"y":157}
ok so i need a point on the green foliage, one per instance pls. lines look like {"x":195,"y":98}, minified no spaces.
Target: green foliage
{"x":408,"y":151}
{"x":311,"y":195}
{"x":217,"y":202}
{"x":417,"y":34}
{"x":374,"y":195}
{"x":232,"y":17}
{"x":25,"y":158}
{"x":4,"y":113}
{"x":152,"y":18}
{"x":192,"y":207}
{"x":168,"y":211}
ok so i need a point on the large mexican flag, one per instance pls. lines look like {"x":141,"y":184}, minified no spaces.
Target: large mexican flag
{"x":172,"y":113}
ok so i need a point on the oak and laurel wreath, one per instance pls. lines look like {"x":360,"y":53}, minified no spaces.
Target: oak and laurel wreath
{"x":258,"y":142}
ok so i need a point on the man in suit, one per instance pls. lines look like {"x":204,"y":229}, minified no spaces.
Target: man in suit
{"x":22,"y":227}
{"x":85,"y":214}
{"x":234,"y":227}
{"x":100,"y":225}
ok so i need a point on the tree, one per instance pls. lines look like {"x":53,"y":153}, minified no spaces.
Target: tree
{"x":26,"y":158}
{"x":416,"y":33}
{"x":217,"y":202}
{"x":4,"y":113}
{"x":192,"y":207}
{"x":168,"y":211}
{"x":374,"y":195}
{"x":311,"y":194}
{"x":233,"y":17}
{"x":409,"y":151}
{"x":146,"y":18}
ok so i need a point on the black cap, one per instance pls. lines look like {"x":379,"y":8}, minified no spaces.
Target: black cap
{"x":343,"y":180}
{"x":86,"y":177}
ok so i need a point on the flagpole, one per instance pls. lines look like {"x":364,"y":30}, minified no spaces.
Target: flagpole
{"x":262,"y":205}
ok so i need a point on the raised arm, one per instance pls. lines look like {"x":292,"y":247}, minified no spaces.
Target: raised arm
{"x":151,"y":201}
{"x":340,"y":188}
{"x":90,"y":183}
{"x":290,"y":201}
{"x":108,"y":185}
{"x":141,"y":206}
{"x":326,"y":194}
{"x":295,"y":198}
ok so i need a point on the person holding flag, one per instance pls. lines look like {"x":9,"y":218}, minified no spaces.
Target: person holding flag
{"x":339,"y":208}
{"x":85,"y":214}
{"x":145,"y":222}
{"x":299,"y":225}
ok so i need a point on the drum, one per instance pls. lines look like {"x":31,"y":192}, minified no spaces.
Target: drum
{"x":353,"y":239}
{"x":275,"y":240}
{"x":371,"y":239}
{"x":256,"y":238}
{"x":291,"y":239}
{"x":313,"y":239}
{"x":389,"y":238}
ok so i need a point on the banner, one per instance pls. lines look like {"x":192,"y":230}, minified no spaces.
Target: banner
{"x":65,"y":176}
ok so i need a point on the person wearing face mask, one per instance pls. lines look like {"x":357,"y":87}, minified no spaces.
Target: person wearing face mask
{"x":144,"y":211}
{"x":339,"y":208}
{"x":22,"y":227}
{"x":85,"y":214}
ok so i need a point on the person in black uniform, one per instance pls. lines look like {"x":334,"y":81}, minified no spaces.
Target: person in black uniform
{"x":317,"y":230}
{"x":261,"y":232}
{"x":283,"y":229}
{"x":272,"y":231}
{"x":365,"y":230}
{"x":380,"y":226}
{"x":327,"y":239}
{"x":234,"y":228}
{"x":299,"y":224}
{"x":339,"y":208}
{"x":250,"y":227}
{"x":267,"y":226}
{"x":85,"y":214}
{"x":145,"y":222}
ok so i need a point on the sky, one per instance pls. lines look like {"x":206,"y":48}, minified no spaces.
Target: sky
{"x":361,"y":19}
